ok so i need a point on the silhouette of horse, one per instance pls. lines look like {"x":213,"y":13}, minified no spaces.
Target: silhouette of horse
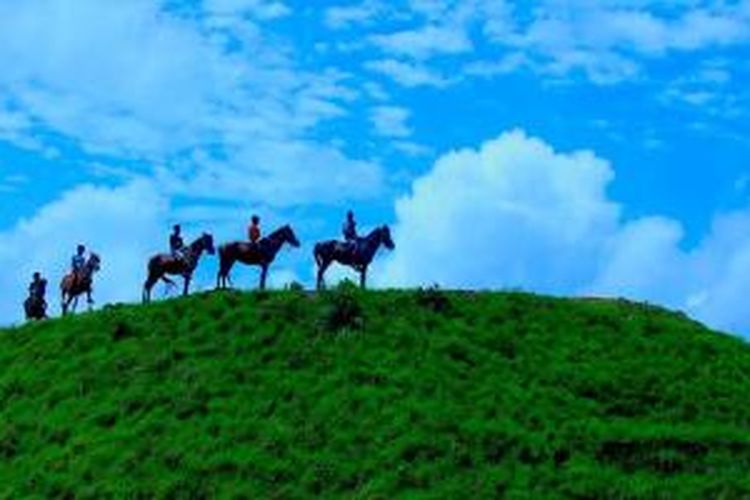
{"x":35,"y":306}
{"x":159,"y":266}
{"x":357,"y":256}
{"x":261,"y":254}
{"x":72,"y":286}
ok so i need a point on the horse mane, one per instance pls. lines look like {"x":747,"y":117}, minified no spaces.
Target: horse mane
{"x":278,"y":231}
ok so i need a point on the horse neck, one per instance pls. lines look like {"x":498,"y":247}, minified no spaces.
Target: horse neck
{"x":197,"y":250}
{"x":371,"y":244}
{"x":197,"y":247}
{"x":275,"y":240}
{"x":88,"y":269}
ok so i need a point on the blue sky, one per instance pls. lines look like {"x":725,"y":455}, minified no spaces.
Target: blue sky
{"x":569,"y":147}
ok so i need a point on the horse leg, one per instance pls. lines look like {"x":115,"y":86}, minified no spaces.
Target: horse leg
{"x":362,"y":277}
{"x":263,"y":273}
{"x":322,"y":267}
{"x":146,"y":295}
{"x":89,"y":299}
{"x":187,"y":285}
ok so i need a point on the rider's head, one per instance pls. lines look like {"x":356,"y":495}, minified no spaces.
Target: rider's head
{"x":255,"y":219}
{"x":176,"y":228}
{"x":37,"y":276}
{"x":350,"y":215}
{"x":81,"y":249}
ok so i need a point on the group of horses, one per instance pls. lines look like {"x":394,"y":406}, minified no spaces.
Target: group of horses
{"x":357,"y":255}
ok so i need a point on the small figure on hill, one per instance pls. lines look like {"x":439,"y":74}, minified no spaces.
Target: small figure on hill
{"x":176,"y":243}
{"x":253,"y":231}
{"x":38,"y":287}
{"x":36,"y":305}
{"x":351,"y":238}
{"x":350,"y":227}
{"x":78,"y":262}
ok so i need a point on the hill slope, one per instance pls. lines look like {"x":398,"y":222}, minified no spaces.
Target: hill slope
{"x":374,"y":394}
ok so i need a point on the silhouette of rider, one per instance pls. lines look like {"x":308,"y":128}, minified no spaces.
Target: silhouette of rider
{"x":77,"y":263}
{"x":253,"y":231}
{"x":38,"y":288}
{"x":349,"y":229}
{"x":176,"y":243}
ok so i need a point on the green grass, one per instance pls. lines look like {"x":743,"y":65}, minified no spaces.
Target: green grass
{"x":374,"y":395}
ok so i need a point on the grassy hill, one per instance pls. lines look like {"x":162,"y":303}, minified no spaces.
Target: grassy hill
{"x":374,"y":395}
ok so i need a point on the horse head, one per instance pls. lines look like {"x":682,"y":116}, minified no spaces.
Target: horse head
{"x":208,"y":243}
{"x":385,"y":237}
{"x":94,"y":262}
{"x":290,"y":237}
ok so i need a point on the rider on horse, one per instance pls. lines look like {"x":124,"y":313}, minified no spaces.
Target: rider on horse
{"x":349,"y":229}
{"x":253,"y":230}
{"x":35,"y":305}
{"x":176,"y":244}
{"x":77,"y":263}
{"x":38,"y":288}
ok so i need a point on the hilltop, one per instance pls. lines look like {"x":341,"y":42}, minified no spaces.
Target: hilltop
{"x":374,"y":394}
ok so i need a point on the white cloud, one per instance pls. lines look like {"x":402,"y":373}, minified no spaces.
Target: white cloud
{"x":516,"y":213}
{"x":536,"y":218}
{"x":411,"y":148}
{"x":282,"y":173}
{"x":134,"y":82}
{"x":352,"y":15}
{"x":610,"y":41}
{"x":391,"y":121}
{"x":408,"y":74}
{"x":606,"y":42}
{"x":262,"y":9}
{"x":424,"y":42}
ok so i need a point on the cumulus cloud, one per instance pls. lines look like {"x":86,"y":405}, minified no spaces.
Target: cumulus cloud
{"x":512,"y":213}
{"x":517,"y":213}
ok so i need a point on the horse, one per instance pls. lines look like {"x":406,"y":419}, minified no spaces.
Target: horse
{"x":358,"y":258}
{"x":71,"y":286}
{"x":35,"y":306}
{"x":260,"y":254}
{"x":159,"y":266}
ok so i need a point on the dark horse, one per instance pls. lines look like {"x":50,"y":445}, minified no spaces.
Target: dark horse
{"x":261,"y":254}
{"x":72,"y":286}
{"x":159,"y":266}
{"x":357,"y":257}
{"x":35,"y":306}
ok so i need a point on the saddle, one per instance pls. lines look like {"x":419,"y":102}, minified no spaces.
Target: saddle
{"x":249,"y":246}
{"x":182,"y":255}
{"x":348,"y":248}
